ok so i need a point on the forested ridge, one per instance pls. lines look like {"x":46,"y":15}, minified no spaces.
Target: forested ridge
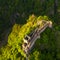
{"x":18,"y":18}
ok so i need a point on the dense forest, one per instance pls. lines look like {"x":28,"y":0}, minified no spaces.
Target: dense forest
{"x":16,"y":20}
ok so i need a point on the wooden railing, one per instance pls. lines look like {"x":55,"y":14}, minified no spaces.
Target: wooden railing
{"x":35,"y":36}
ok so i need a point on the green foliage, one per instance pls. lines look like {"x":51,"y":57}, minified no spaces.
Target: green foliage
{"x":36,"y":55}
{"x":15,"y":39}
{"x":45,"y":38}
